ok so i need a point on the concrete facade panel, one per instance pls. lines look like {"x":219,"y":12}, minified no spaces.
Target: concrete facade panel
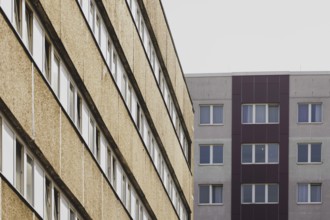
{"x":16,"y":94}
{"x":12,"y":207}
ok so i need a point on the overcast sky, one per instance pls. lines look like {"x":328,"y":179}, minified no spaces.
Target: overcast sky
{"x":250,"y":35}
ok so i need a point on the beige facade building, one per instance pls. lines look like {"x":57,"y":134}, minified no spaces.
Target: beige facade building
{"x":96,"y":121}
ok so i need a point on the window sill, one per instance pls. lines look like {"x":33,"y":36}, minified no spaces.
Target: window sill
{"x":260,"y":203}
{"x":309,"y":203}
{"x":210,"y":164}
{"x":259,"y":163}
{"x":210,"y":204}
{"x":309,"y":163}
{"x":309,"y":123}
{"x":266,"y":123}
{"x":202,"y":125}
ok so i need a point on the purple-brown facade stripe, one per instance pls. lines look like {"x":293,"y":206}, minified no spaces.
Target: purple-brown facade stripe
{"x":260,"y":89}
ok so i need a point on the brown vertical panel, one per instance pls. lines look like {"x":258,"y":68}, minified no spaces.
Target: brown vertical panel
{"x":260,"y":89}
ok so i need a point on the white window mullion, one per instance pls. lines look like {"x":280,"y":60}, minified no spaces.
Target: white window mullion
{"x":211,"y":154}
{"x":266,"y":153}
{"x":309,"y":152}
{"x":309,"y":192}
{"x":267,"y":120}
{"x":253,"y":153}
{"x":253,"y":193}
{"x":211,"y":114}
{"x":210,"y":194}
{"x":266,"y":193}
{"x":309,"y":113}
{"x":253,"y":114}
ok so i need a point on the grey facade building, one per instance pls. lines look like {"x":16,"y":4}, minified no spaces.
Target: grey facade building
{"x":261,"y":145}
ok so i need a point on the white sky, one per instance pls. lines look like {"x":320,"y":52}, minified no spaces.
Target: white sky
{"x":250,"y":35}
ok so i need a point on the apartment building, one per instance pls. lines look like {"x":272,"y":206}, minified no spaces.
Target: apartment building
{"x":96,"y":121}
{"x":261,"y":145}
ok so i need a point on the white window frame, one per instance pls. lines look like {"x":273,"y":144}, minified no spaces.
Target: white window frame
{"x":309,"y":192}
{"x":211,"y":155}
{"x":309,"y":153}
{"x":254,"y":113}
{"x":254,"y":154}
{"x":266,"y":193}
{"x":310,"y":112}
{"x":210,"y":194}
{"x":211,"y":114}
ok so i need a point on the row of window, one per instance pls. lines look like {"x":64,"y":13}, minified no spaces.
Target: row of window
{"x":157,"y":71}
{"x":57,"y":75}
{"x":260,"y":193}
{"x":24,"y":172}
{"x":259,"y":153}
{"x":261,"y":113}
{"x":103,"y":39}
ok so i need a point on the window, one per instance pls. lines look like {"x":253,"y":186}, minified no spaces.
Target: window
{"x":210,"y":194}
{"x":71,"y":101}
{"x":141,"y":212}
{"x":29,"y":179}
{"x":72,"y":215}
{"x":123,"y":190}
{"x":29,"y":26}
{"x":18,"y":16}
{"x":79,"y":109}
{"x":109,"y":163}
{"x":129,"y":97}
{"x":309,"y":193}
{"x":114,"y":173}
{"x":109,"y":54}
{"x":19,"y":167}
{"x":309,"y":153}
{"x":56,"y":204}
{"x":259,"y":193}
{"x":97,"y":146}
{"x":259,"y":153}
{"x":129,"y":197}
{"x":56,"y":75}
{"x":211,"y":114}
{"x":124,"y":88}
{"x":211,"y":154}
{"x":91,"y":135}
{"x":137,"y":205}
{"x":309,"y":112}
{"x":91,"y":15}
{"x":114,"y":65}
{"x":48,"y":200}
{"x":98,"y":29}
{"x":47,"y":60}
{"x":260,"y":113}
{"x":138,"y":116}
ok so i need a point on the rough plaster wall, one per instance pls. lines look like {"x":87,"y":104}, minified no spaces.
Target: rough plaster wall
{"x":12,"y":207}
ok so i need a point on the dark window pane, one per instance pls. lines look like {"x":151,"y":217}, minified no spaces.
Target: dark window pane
{"x":273,"y":153}
{"x":315,"y":152}
{"x":247,"y":113}
{"x":302,"y":112}
{"x":260,"y":113}
{"x":273,"y":114}
{"x":205,"y":114}
{"x":302,"y":192}
{"x":204,"y":154}
{"x":218,"y":154}
{"x":217,"y":194}
{"x":247,"y":153}
{"x":218,"y":114}
{"x":247,"y":193}
{"x":260,"y":153}
{"x":204,"y":194}
{"x":315,"y":192}
{"x":302,"y":152}
{"x":273,"y":193}
{"x":316,"y":113}
{"x":259,"y":193}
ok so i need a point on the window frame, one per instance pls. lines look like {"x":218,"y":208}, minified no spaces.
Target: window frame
{"x":253,"y":202}
{"x":211,"y":147}
{"x":210,"y":201}
{"x":211,"y":115}
{"x":309,"y":112}
{"x":309,"y":154}
{"x":254,"y":113}
{"x":254,"y":152}
{"x":309,"y":194}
